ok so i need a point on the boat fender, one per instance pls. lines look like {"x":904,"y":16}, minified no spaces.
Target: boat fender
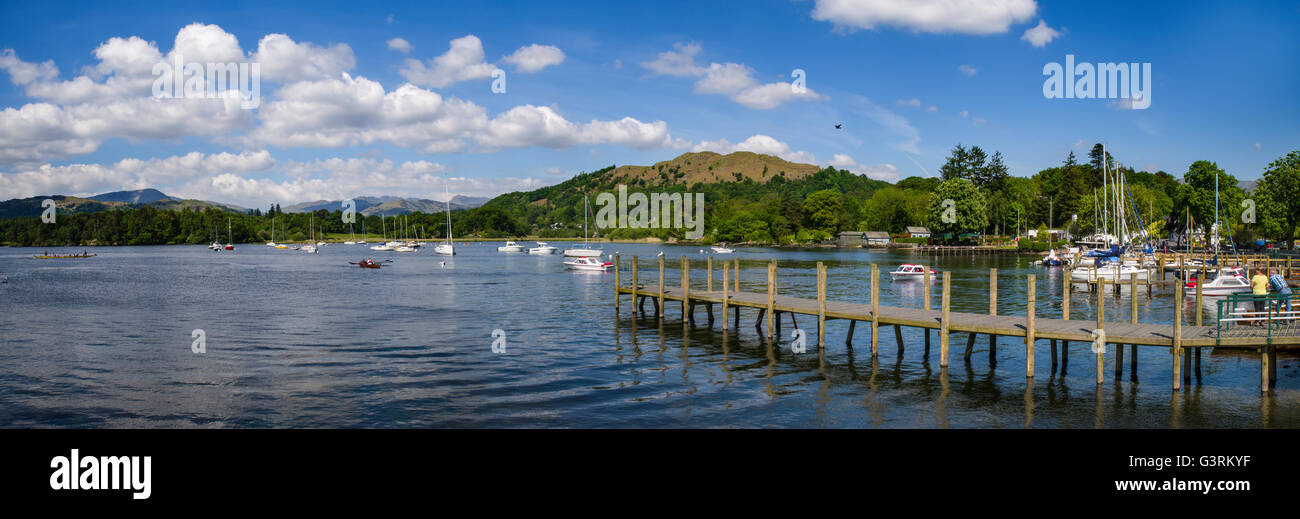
{"x":1099,"y":341}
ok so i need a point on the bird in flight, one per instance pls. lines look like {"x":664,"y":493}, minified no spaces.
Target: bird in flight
{"x":839,"y":126}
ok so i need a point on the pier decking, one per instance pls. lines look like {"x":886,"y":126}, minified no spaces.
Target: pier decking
{"x":1181,"y":340}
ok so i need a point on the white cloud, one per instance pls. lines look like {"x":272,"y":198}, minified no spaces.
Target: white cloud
{"x":352,"y":111}
{"x":677,"y":62}
{"x":936,"y":16}
{"x":968,"y":70}
{"x":284,"y":60}
{"x":201,"y":43}
{"x":463,"y":61}
{"x":726,"y":78}
{"x":1258,"y":146}
{"x":1040,"y":35}
{"x":887,"y":172}
{"x":242,"y":179}
{"x":533,"y":58}
{"x":913,"y":102}
{"x":22,"y":72}
{"x":932,"y":109}
{"x":734,"y":80}
{"x":757,"y":143}
{"x":556,"y":172}
{"x":528,"y":125}
{"x":965,"y":113}
{"x":131,"y":173}
{"x":399,"y":45}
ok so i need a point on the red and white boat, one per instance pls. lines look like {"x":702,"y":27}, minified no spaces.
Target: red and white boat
{"x":912,"y":271}
{"x":588,"y":263}
{"x":1229,"y":281}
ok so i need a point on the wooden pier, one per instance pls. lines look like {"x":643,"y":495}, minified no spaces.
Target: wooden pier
{"x":1179,"y":340}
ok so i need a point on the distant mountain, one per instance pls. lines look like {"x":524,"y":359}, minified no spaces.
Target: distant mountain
{"x":1247,"y":185}
{"x":31,"y":207}
{"x":389,"y":205}
{"x":139,"y":196}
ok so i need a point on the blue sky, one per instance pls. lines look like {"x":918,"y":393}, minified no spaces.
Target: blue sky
{"x":599,"y":83}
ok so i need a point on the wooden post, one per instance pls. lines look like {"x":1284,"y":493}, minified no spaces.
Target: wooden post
{"x":617,"y":284}
{"x":1029,"y":328}
{"x":659,"y":310}
{"x":726,"y":296}
{"x":710,"y":285}
{"x":1200,"y":280}
{"x":737,"y":283}
{"x":1263,"y":369}
{"x":1101,"y":325}
{"x":925,"y":294}
{"x":943,"y":322}
{"x":821,"y":305}
{"x":771,"y":297}
{"x":993,"y":310}
{"x":1178,"y":336}
{"x":636,"y":285}
{"x":875,"y":308}
{"x":688,"y":310}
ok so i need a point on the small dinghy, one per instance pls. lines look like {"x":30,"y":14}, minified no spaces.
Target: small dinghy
{"x":369,"y":263}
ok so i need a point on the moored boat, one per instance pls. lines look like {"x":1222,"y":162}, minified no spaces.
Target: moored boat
{"x":510,"y":247}
{"x":912,"y":271}
{"x":542,"y":248}
{"x":587,"y":263}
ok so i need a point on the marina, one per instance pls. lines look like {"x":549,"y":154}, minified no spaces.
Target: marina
{"x":1180,"y":340}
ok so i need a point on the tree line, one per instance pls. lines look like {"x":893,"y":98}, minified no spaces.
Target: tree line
{"x":987,"y":200}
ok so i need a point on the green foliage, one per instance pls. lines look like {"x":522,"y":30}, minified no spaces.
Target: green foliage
{"x":969,"y":212}
{"x":1277,"y":197}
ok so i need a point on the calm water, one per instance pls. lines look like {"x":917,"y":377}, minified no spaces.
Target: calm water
{"x":299,"y":340}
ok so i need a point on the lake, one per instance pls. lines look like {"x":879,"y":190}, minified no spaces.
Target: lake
{"x":307,"y":340}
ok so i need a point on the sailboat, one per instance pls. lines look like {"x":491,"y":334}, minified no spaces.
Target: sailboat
{"x":309,"y":248}
{"x":448,"y":248}
{"x":353,"y":241}
{"x":230,"y":242}
{"x":585,"y":251}
{"x":1111,"y":265}
{"x":216,"y":245}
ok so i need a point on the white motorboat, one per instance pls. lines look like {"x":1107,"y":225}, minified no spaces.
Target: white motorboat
{"x":587,"y":263}
{"x":381,"y":247}
{"x":912,"y":271}
{"x":511,"y":247}
{"x":723,"y":249}
{"x":1111,"y":273}
{"x":542,"y":248}
{"x":1229,"y":281}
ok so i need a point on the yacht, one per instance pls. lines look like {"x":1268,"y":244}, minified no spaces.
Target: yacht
{"x":447,"y":248}
{"x":585,"y":251}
